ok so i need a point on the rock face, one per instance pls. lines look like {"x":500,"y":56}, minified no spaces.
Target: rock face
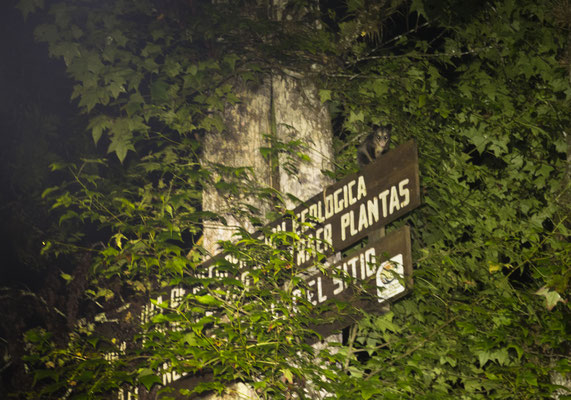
{"x":299,"y":114}
{"x":237,"y":146}
{"x":289,"y":109}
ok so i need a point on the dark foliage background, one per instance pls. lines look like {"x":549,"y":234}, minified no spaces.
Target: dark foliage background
{"x":483,"y":87}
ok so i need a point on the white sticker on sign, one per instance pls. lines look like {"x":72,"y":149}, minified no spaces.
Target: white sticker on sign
{"x":389,"y":278}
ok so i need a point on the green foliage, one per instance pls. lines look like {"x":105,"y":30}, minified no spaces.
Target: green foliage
{"x":485,"y":93}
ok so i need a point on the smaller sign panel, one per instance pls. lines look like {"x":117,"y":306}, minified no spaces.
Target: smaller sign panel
{"x":367,"y":279}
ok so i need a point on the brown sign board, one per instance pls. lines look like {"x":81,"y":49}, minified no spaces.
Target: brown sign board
{"x":367,"y":279}
{"x":347,"y":211}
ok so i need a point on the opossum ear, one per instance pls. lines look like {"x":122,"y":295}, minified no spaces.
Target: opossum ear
{"x":389,"y":127}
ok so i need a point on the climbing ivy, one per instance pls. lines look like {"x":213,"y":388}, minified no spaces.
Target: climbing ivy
{"x":483,"y":88}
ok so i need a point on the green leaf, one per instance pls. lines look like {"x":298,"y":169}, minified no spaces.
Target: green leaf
{"x":385,"y":323}
{"x":177,"y":264}
{"x":418,"y":6}
{"x":161,"y":319}
{"x":484,"y":357}
{"x":56,"y":166}
{"x":231,"y":59}
{"x":287,"y":374}
{"x":27,"y":7}
{"x":190,"y":339}
{"x":381,"y":87}
{"x":148,"y":378}
{"x":46,"y":373}
{"x":551,"y":297}
{"x":494,"y":267}
{"x":324,"y":95}
{"x":356,"y":117}
{"x":118,"y":237}
{"x":120,"y":146}
{"x":69,"y":214}
{"x":93,"y":341}
{"x":370,"y":390}
{"x":501,"y":356}
{"x":208,"y":300}
{"x":266,"y":152}
{"x":48,"y":191}
{"x":192,"y":70}
{"x":46,"y":246}
{"x":159,"y":91}
{"x":98,"y":125}
{"x":135,"y":104}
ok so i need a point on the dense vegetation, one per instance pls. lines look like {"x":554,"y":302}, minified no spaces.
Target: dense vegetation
{"x":484,"y":89}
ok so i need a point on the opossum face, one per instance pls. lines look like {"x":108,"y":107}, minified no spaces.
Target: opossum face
{"x":381,"y":140}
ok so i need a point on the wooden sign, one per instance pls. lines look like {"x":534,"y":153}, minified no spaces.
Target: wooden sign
{"x":366,"y":279}
{"x":332,"y":221}
{"x":343,"y":213}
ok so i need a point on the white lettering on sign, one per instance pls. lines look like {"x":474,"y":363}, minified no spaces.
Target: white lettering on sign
{"x":319,"y":241}
{"x":331,"y":204}
{"x":359,"y":268}
{"x":404,"y":192}
{"x":391,"y":201}
{"x":313,"y":223}
{"x":128,"y":394}
{"x":388,"y":277}
{"x":169,"y":375}
{"x":320,"y":297}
